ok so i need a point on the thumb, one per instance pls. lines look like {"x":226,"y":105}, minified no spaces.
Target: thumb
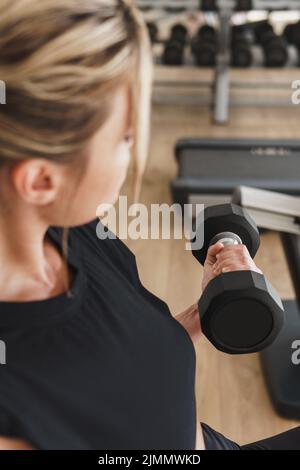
{"x":212,"y":252}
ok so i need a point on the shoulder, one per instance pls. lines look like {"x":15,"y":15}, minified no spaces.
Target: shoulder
{"x":94,"y":235}
{"x":98,"y":235}
{"x":94,"y":240}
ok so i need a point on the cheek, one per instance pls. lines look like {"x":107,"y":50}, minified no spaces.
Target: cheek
{"x":109,"y":173}
{"x":122,"y":157}
{"x":119,"y":164}
{"x":104,"y":176}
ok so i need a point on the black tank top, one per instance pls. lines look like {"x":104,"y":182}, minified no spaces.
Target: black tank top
{"x":109,"y":368}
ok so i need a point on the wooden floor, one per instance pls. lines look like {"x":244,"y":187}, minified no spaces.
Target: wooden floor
{"x":231,"y":395}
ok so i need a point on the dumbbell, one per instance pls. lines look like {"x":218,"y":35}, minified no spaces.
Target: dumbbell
{"x":179,"y":33}
{"x":209,"y":5}
{"x":288,"y":33}
{"x":244,"y":5}
{"x":240,"y":311}
{"x":275,"y":50}
{"x":262,"y":28}
{"x":204,"y":46}
{"x":241,"y":53}
{"x":173,"y":53}
{"x":292,"y":33}
{"x":207,"y":33}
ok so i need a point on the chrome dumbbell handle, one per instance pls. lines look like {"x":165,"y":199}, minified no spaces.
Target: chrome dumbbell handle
{"x":227,"y":238}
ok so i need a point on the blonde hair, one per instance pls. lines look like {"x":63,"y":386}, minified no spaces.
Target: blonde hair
{"x":61,"y":61}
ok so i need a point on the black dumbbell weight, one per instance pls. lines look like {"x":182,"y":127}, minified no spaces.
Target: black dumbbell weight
{"x":240,"y":311}
{"x":237,"y":34}
{"x":241,"y":54}
{"x":209,"y":5}
{"x":288,"y":33}
{"x":173,"y":53}
{"x":262,"y":28}
{"x":292,"y":33}
{"x":204,"y":46}
{"x":275,"y":50}
{"x":179,"y":33}
{"x":204,"y":53}
{"x":296,"y":34}
{"x":241,"y":51}
{"x":207,"y":33}
{"x":244,"y":5}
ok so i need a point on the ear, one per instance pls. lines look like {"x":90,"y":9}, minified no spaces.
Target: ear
{"x":36,"y":181}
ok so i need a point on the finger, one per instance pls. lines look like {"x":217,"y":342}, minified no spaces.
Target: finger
{"x":236,"y":246}
{"x":233,"y":260}
{"x":213,"y":251}
{"x":234,"y":253}
{"x":238,"y":266}
{"x":216,"y":271}
{"x":232,"y":264}
{"x":234,"y":267}
{"x":235,"y":249}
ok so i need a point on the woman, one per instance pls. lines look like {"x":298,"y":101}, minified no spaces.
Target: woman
{"x":94,"y":360}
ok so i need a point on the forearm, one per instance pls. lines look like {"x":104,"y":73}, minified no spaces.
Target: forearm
{"x":190,"y":320}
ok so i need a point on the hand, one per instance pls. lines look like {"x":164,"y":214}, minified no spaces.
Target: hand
{"x":223,"y":259}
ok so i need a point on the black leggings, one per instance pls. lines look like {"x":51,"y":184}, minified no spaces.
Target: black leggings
{"x":289,"y":440}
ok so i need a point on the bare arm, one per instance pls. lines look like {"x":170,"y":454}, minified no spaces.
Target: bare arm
{"x":13,"y":443}
{"x":190,"y":320}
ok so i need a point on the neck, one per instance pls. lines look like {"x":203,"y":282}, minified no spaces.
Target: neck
{"x":32,"y":266}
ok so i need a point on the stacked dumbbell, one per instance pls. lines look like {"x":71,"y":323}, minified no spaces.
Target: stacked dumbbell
{"x":244,"y":5}
{"x":174,"y":48}
{"x":212,"y":5}
{"x":241,"y":48}
{"x":208,"y":5}
{"x":204,"y":46}
{"x":274,"y":47}
{"x":292,"y":35}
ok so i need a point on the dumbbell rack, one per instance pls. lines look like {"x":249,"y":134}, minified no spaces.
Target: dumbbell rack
{"x":182,"y":5}
{"x":225,"y":9}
